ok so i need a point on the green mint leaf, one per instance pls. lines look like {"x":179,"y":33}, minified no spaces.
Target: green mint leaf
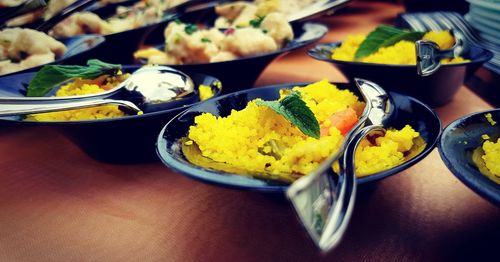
{"x":384,"y":36}
{"x":52,"y":75}
{"x":256,"y":22}
{"x":190,"y":29}
{"x":295,"y":110}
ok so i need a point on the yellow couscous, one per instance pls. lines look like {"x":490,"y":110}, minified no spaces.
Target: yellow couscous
{"x":491,"y":159}
{"x":81,"y":86}
{"x":403,"y":52}
{"x":262,"y":142}
{"x":84,"y":87}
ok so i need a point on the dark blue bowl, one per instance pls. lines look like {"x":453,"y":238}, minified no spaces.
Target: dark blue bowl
{"x":128,"y":139}
{"x":434,"y":90}
{"x":77,"y":51}
{"x":408,"y":111}
{"x":242,"y":73}
{"x":458,"y":141}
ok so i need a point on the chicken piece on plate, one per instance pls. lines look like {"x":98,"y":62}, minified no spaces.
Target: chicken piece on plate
{"x":248,"y":41}
{"x":81,"y":23}
{"x":191,"y":45}
{"x":278,"y":28}
{"x":25,"y":48}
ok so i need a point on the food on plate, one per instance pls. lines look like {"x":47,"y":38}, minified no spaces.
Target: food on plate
{"x":241,"y":13}
{"x":25,"y":48}
{"x":142,"y":13}
{"x":389,"y":45}
{"x":487,"y":156}
{"x":188,"y":44}
{"x":289,"y":138}
{"x":487,"y":159}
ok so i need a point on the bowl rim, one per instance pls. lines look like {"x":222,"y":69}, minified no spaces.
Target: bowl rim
{"x":123,"y":118}
{"x":201,"y":174}
{"x":484,"y":56}
{"x":293,"y":45}
{"x":476,"y":185}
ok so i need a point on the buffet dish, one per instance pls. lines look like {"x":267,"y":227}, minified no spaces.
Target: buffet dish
{"x":435,"y":90}
{"x":175,"y":150}
{"x":122,"y":138}
{"x":194,"y":45}
{"x":469,"y":147}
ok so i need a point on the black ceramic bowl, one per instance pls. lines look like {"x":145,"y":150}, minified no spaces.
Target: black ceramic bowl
{"x":78,"y":49}
{"x":435,"y":90}
{"x":129,"y":139}
{"x":408,"y":111}
{"x":458,"y":141}
{"x":243,"y":72}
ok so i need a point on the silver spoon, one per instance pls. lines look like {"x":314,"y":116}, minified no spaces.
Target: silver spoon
{"x":324,"y":204}
{"x":148,"y":89}
{"x":429,"y":54}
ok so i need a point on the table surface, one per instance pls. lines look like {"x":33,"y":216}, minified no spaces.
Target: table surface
{"x":57,"y":204}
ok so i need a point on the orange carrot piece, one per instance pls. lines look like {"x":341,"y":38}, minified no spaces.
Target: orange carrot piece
{"x":343,"y":121}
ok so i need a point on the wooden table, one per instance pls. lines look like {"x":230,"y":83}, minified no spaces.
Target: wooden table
{"x":57,"y":204}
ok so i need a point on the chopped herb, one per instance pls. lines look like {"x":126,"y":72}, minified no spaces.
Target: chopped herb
{"x":239,"y":26}
{"x":256,"y":22}
{"x":52,"y":75}
{"x":384,"y":36}
{"x":265,"y":31}
{"x":178,"y":21}
{"x":295,"y":110}
{"x":206,"y":40}
{"x":190,"y":29}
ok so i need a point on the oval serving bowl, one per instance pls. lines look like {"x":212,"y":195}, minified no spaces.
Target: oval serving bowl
{"x":242,"y":72}
{"x":435,"y":90}
{"x":78,"y":49}
{"x":408,"y":111}
{"x":458,"y":141}
{"x":128,"y":139}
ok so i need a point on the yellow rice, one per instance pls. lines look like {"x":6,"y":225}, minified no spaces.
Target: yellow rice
{"x":403,"y":52}
{"x":83,"y":87}
{"x":491,"y":158}
{"x":249,"y":139}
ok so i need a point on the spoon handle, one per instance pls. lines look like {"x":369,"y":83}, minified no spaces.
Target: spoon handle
{"x":7,"y":109}
{"x":337,"y":225}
